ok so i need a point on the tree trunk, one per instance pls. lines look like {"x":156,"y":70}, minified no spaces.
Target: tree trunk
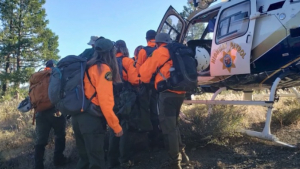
{"x":17,"y":84}
{"x":5,"y":82}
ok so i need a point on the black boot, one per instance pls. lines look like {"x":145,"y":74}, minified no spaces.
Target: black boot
{"x":39,"y":151}
{"x":59,"y":159}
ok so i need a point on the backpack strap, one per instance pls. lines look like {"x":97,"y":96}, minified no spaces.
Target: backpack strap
{"x":123,"y":66}
{"x":120,"y":64}
{"x":149,"y":50}
{"x":158,"y":71}
{"x":88,"y":76}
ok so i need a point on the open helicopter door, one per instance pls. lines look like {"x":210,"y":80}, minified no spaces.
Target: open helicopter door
{"x":232,"y":42}
{"x":173,"y":24}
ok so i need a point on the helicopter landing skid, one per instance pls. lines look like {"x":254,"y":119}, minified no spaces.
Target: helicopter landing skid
{"x":266,"y":133}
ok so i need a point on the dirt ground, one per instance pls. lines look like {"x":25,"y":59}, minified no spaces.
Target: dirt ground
{"x":241,"y":152}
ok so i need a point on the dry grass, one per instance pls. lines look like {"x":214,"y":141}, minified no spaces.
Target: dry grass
{"x":17,"y":138}
{"x":222,"y":124}
{"x":17,"y":133}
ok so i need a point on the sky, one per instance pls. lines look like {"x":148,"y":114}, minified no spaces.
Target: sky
{"x":75,"y":21}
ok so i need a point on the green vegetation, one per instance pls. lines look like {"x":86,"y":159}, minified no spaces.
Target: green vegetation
{"x":25,"y":41}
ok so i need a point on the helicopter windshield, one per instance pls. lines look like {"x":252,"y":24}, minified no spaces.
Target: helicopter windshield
{"x":202,"y":27}
{"x":201,"y":31}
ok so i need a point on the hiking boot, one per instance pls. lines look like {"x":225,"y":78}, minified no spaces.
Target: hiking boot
{"x":61,"y":161}
{"x":127,"y":165}
{"x":39,"y":151}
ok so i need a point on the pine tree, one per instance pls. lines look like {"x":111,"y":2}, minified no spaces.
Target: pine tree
{"x":25,"y":41}
{"x":194,"y":31}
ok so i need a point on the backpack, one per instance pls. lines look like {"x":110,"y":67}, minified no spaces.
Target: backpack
{"x":129,"y":104}
{"x":66,"y":88}
{"x":183,"y":74}
{"x":133,"y":108}
{"x":87,"y":53}
{"x":149,"y":50}
{"x":38,"y":91}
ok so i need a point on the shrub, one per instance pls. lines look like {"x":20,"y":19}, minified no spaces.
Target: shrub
{"x":217,"y":127}
{"x":287,"y":112}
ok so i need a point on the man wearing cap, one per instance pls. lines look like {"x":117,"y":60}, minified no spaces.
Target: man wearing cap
{"x":88,"y":53}
{"x":45,"y":121}
{"x":169,"y":101}
{"x":142,"y":56}
{"x":145,"y":52}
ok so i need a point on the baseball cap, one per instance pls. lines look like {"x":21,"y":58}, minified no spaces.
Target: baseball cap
{"x":103,"y":45}
{"x":150,"y":34}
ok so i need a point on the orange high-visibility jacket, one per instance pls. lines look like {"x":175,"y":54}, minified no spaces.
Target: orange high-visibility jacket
{"x":132,"y":75}
{"x":142,"y":56}
{"x":105,"y":96}
{"x":159,"y":57}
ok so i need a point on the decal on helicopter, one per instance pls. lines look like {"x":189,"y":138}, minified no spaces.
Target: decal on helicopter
{"x":227,"y":55}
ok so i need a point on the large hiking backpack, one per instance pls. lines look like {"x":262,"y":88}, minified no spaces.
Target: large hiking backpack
{"x":183,"y":74}
{"x":66,"y":88}
{"x":128,"y":104}
{"x":38,"y":90}
{"x":87,"y":53}
{"x":132,"y":107}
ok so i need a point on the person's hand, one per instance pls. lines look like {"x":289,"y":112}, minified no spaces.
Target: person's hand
{"x":119,"y":134}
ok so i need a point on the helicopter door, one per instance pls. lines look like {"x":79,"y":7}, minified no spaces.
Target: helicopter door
{"x":173,"y":24}
{"x":232,"y":43}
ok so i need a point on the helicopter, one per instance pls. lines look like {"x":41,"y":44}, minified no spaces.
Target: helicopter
{"x":242,"y":45}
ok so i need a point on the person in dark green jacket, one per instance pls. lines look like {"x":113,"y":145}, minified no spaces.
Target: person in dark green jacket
{"x":88,"y":53}
{"x":45,"y":121}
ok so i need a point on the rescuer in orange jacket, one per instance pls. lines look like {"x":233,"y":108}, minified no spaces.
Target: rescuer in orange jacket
{"x":129,"y":72}
{"x":90,"y":129}
{"x":169,"y":102}
{"x":145,"y":52}
{"x":136,"y":52}
{"x":120,"y":149}
{"x":142,"y":56}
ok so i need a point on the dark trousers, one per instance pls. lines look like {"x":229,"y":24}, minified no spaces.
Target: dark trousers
{"x":153,"y":135}
{"x":120,"y":148}
{"x":89,"y":133}
{"x":45,"y":121}
{"x":168,"y":112}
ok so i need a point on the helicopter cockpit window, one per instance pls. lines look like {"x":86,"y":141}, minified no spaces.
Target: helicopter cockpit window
{"x":202,"y":27}
{"x":172,"y":26}
{"x":233,"y":22}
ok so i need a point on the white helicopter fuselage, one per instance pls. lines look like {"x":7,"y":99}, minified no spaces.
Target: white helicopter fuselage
{"x":250,"y":44}
{"x":252,"y":52}
{"x":248,"y":41}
